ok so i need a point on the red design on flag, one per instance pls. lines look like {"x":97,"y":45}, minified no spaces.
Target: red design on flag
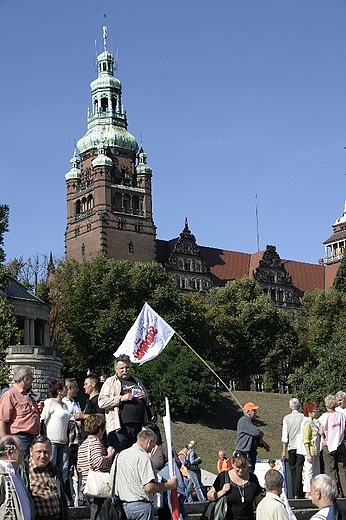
{"x":147,"y":337}
{"x":144,"y":344}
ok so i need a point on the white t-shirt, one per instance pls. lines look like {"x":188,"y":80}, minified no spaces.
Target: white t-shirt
{"x":334,"y":428}
{"x":56,"y":419}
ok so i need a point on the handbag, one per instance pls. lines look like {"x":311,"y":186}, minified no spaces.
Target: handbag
{"x":97,"y":482}
{"x":112,"y":508}
{"x":217,"y":510}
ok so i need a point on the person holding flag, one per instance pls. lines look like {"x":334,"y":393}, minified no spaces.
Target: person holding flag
{"x":127,"y":405}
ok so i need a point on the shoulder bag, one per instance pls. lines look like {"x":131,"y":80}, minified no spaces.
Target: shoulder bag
{"x":112,"y":508}
{"x":97,"y":482}
{"x":217,"y":510}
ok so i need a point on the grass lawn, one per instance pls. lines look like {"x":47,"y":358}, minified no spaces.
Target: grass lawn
{"x":216,"y":430}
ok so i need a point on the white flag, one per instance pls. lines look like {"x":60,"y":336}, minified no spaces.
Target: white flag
{"x":147,"y":337}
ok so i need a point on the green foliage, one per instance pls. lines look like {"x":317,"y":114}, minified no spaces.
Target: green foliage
{"x":321,"y":329}
{"x":4,"y":216}
{"x":340,"y":279}
{"x":253,"y":335}
{"x":181,"y":377}
{"x":95,"y":302}
{"x":8,"y":326}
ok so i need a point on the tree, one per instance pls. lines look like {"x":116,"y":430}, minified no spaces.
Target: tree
{"x":93,"y":305}
{"x":255,"y":336}
{"x":7,"y":319}
{"x":33,"y":272}
{"x":340,"y":279}
{"x":95,"y":302}
{"x":321,"y":329}
{"x":179,"y":375}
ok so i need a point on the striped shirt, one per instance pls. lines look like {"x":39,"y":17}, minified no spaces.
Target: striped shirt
{"x":92,"y":454}
{"x":134,"y":470}
{"x":326,"y":513}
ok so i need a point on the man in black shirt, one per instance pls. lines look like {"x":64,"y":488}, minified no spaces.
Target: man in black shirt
{"x":91,"y":388}
{"x":126,"y":402}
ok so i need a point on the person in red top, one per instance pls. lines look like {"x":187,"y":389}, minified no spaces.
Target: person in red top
{"x":224,"y":463}
{"x":19,"y":413}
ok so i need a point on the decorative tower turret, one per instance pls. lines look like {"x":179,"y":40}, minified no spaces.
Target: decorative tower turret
{"x":335,"y":246}
{"x":109,"y":196}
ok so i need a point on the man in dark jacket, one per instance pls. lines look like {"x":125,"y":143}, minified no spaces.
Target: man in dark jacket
{"x":44,"y":482}
{"x":249,"y":437}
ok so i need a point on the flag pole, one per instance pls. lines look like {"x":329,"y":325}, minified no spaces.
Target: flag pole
{"x":209,"y":367}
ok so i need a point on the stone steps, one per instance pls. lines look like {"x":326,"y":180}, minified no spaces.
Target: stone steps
{"x":303,"y":509}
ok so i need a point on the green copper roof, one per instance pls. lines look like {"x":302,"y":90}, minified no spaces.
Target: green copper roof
{"x":107,"y":121}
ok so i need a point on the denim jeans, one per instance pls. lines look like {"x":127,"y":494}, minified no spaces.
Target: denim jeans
{"x":196,"y":483}
{"x":26,"y":441}
{"x":60,"y":458}
{"x":139,"y":510}
{"x":125,"y":437}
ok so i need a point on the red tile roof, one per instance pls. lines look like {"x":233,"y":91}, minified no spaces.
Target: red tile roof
{"x":231,"y":265}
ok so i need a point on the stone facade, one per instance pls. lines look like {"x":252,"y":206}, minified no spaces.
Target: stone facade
{"x":34,"y":350}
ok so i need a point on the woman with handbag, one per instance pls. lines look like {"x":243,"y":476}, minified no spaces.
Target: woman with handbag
{"x":93,"y":459}
{"x":234,"y":491}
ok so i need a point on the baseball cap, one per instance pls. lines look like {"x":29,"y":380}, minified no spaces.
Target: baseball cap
{"x":250,"y":406}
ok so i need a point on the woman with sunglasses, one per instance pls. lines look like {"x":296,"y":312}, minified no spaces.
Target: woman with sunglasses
{"x":240,"y":486}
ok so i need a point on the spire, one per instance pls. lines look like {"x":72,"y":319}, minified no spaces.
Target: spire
{"x":104,"y":31}
{"x":142,"y":166}
{"x":107,"y":120}
{"x":74,"y":172}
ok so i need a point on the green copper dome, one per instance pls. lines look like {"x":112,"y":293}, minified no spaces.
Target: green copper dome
{"x":107,"y":121}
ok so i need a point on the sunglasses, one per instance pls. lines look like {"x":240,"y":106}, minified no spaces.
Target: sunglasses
{"x":237,"y":454}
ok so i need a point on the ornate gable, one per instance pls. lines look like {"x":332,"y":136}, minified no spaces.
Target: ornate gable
{"x":276,"y":282}
{"x":187,"y":265}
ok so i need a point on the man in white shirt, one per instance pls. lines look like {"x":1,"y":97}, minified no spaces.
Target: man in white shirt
{"x":135,"y":479}
{"x":290,"y":434}
{"x":323,"y":493}
{"x":272,"y":507}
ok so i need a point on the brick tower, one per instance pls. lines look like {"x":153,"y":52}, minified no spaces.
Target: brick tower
{"x":109,"y":195}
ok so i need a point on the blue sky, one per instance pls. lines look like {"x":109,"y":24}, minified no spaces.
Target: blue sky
{"x":231,"y":98}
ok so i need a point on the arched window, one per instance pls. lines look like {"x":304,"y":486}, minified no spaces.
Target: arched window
{"x":104,"y":104}
{"x":77,"y":207}
{"x":90,"y":202}
{"x":135,"y":205}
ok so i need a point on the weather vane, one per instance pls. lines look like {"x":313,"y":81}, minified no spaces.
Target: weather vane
{"x":104,"y":30}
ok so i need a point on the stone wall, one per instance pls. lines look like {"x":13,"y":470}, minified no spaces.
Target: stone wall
{"x":45,"y":361}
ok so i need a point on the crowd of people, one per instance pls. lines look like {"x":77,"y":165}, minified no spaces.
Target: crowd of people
{"x":49,"y":451}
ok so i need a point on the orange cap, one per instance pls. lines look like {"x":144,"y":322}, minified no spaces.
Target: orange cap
{"x":250,"y":406}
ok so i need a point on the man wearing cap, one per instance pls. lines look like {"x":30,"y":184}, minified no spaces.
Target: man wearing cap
{"x":249,"y":437}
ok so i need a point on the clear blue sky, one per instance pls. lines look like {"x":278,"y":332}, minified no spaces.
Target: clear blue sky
{"x":231,"y":98}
